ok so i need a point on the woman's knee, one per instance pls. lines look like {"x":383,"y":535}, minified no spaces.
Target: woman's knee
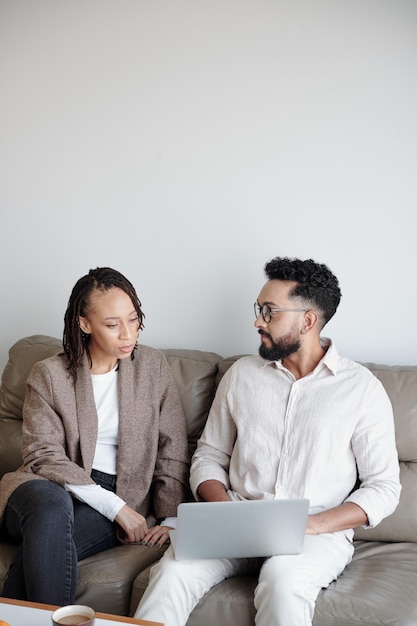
{"x":41,"y":498}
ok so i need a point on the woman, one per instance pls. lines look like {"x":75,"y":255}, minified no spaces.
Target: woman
{"x":105,"y":453}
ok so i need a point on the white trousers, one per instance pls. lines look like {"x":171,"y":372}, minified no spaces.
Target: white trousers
{"x":285,"y":595}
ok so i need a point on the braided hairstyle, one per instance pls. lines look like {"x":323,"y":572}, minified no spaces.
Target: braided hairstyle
{"x":317,"y":287}
{"x":75,"y":341}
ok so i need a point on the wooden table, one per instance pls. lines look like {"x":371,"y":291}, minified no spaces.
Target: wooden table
{"x":19,"y":613}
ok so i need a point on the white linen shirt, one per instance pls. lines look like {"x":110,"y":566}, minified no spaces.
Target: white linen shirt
{"x":269,"y":435}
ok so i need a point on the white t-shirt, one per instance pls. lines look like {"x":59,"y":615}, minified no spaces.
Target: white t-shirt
{"x":105,"y":459}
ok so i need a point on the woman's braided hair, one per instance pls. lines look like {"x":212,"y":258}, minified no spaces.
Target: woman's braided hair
{"x":76,"y":342}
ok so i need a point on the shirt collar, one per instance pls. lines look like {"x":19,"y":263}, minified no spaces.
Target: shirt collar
{"x":330,"y":359}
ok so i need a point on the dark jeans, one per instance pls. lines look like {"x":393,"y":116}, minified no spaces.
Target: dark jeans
{"x":53,"y":531}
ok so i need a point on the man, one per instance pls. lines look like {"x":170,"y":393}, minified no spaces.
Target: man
{"x":299,"y":421}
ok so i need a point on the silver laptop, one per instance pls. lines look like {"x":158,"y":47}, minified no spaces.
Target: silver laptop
{"x":247,"y":528}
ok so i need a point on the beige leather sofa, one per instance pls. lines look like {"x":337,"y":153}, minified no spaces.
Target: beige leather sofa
{"x":378,"y":588}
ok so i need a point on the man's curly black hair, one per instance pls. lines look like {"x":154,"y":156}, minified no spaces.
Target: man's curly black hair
{"x":317,"y":287}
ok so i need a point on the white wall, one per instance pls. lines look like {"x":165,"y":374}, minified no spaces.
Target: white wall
{"x":186,"y":142}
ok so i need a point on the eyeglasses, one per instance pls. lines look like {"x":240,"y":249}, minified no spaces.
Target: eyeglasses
{"x":266,"y":311}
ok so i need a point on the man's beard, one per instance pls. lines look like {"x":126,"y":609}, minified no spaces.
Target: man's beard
{"x":279,"y":350}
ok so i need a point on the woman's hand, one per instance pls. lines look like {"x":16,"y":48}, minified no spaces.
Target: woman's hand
{"x":135,"y":529}
{"x":133,"y":524}
{"x":157,"y":536}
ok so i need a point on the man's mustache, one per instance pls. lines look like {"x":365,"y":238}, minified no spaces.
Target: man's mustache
{"x":265,"y":334}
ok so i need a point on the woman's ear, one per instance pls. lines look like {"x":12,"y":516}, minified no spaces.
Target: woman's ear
{"x":84,"y":325}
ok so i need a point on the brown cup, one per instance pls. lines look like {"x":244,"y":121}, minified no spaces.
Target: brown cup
{"x":74,"y":615}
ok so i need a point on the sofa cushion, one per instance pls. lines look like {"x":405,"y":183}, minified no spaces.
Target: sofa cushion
{"x":194,"y":372}
{"x":104,"y":579}
{"x":225,"y":364}
{"x":22,"y":356}
{"x":7,"y":552}
{"x":10,"y":444}
{"x":400,"y":382}
{"x":376,"y":588}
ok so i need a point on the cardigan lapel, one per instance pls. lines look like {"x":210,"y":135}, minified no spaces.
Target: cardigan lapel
{"x":127,"y":423}
{"x":86,"y":414}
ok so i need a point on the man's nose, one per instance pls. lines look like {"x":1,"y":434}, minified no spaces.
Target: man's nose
{"x":260,"y":322}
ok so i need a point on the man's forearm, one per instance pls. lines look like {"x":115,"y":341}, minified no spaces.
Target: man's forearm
{"x":347,"y":515}
{"x":212,"y":491}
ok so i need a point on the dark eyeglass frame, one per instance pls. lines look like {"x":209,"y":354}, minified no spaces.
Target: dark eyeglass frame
{"x":266,"y":311}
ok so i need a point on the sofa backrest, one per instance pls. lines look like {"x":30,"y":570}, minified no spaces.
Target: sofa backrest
{"x":400,"y":382}
{"x":22,"y":356}
{"x":197,"y":374}
{"x":194,"y":372}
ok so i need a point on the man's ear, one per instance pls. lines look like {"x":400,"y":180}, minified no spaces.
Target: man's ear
{"x":310,"y":321}
{"x":84,"y":325}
